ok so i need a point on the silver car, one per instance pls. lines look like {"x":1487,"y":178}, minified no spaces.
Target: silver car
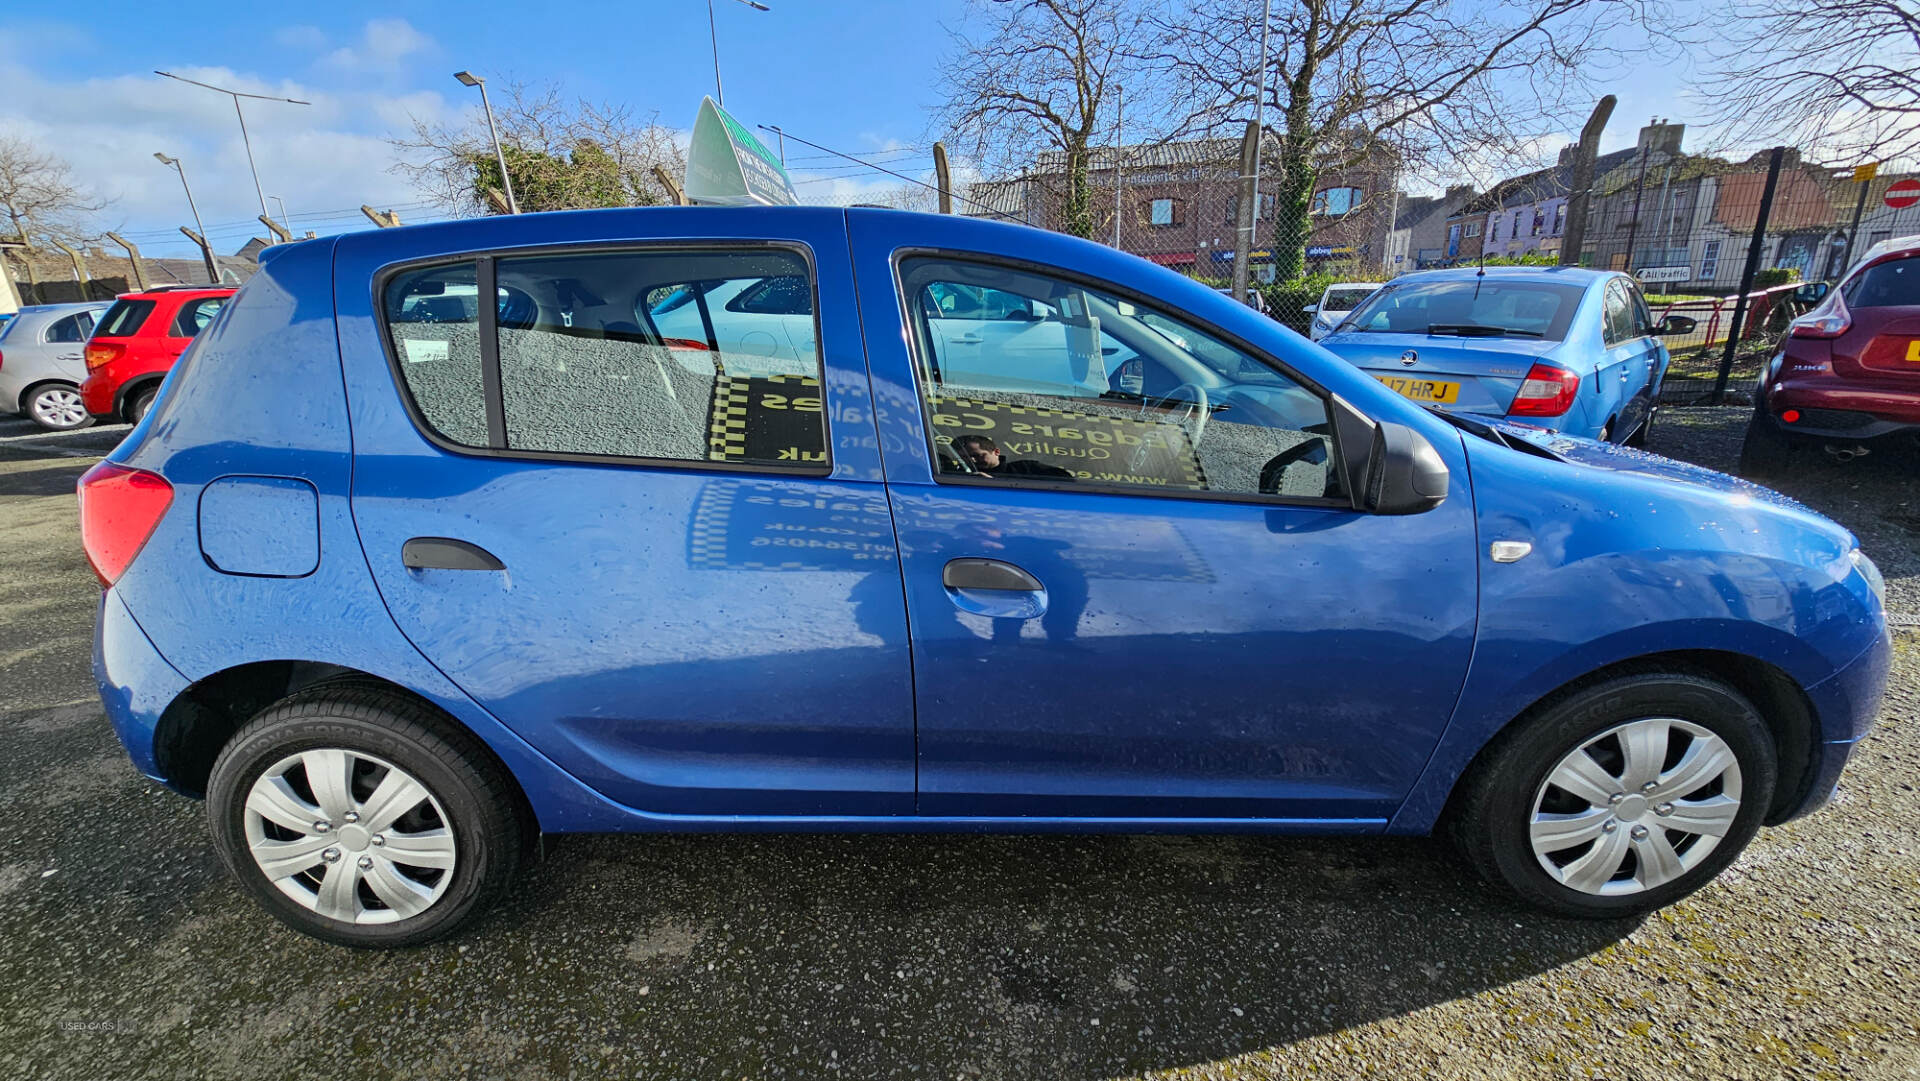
{"x":43,"y":362}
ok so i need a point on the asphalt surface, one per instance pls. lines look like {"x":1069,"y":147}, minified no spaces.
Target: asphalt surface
{"x":125,"y":952}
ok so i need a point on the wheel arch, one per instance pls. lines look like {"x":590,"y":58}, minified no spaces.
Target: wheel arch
{"x":1781,"y":702}
{"x":132,"y":387}
{"x":202,"y":719}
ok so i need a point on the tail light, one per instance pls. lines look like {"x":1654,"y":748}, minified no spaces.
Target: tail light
{"x":99,"y":356}
{"x":1547,"y":391}
{"x":119,"y":508}
{"x":3,"y":360}
{"x":1822,"y":324}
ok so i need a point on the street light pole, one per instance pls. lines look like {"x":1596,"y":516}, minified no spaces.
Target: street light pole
{"x":244,"y":140}
{"x":206,"y":253}
{"x":468,"y":78}
{"x":713,"y":36}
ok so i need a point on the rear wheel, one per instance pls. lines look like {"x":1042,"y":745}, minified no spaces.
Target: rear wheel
{"x":1641,"y":434}
{"x":362,"y":818}
{"x":141,"y":402}
{"x":1621,"y":797}
{"x":1767,"y":451}
{"x":57,"y":407}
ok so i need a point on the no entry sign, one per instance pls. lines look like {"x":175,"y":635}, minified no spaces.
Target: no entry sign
{"x":1902,"y":194}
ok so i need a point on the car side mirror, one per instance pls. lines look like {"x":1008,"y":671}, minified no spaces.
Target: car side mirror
{"x":1676,"y":324}
{"x":1812,"y":292}
{"x":1310,"y":308}
{"x":1405,"y":475}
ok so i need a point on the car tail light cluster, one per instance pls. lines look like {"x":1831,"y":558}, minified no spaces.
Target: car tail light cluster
{"x":119,"y":509}
{"x":99,"y":356}
{"x":1547,"y":391}
{"x":1829,"y":320}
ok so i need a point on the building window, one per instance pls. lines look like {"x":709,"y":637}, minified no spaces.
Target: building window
{"x":1559,"y":219}
{"x":1709,"y":260}
{"x":1493,"y":232}
{"x":1473,"y":228}
{"x":1337,"y":202}
{"x":1539,"y":221}
{"x":1165,"y":212}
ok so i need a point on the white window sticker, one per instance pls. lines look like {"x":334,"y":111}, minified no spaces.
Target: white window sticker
{"x":420,"y":352}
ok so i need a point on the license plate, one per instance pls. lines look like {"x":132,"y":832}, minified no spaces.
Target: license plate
{"x":1422,"y":390}
{"x":1913,"y":351}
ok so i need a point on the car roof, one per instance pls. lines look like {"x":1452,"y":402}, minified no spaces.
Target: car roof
{"x":62,"y":309}
{"x":159,"y":291}
{"x":1566,"y":275}
{"x":1356,"y":285}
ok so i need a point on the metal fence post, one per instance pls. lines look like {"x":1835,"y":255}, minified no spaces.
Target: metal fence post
{"x":1746,"y":277}
{"x":1580,"y":184}
{"x":942,"y":178}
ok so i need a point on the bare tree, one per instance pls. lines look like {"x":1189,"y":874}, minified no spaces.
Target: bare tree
{"x":42,"y":202}
{"x":563,"y":154}
{"x":1841,"y":78}
{"x":1043,"y":78}
{"x":1388,"y":84}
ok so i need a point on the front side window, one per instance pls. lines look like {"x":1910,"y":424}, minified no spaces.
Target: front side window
{"x":668,"y":356}
{"x":1100,"y":393}
{"x":125,"y":318}
{"x":195,"y":315}
{"x":1471,"y":307}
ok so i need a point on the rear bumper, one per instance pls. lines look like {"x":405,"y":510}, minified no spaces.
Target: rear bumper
{"x":1831,"y":409}
{"x":98,"y":392}
{"x":136,"y":682}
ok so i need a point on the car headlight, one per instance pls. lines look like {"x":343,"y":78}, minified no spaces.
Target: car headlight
{"x":1874,"y":579}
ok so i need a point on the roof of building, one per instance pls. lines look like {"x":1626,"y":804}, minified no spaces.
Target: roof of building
{"x":1553,"y":182}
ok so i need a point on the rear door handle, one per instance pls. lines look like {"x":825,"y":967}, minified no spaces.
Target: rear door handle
{"x":447,"y":554}
{"x":966,"y":339}
{"x":988,"y":574}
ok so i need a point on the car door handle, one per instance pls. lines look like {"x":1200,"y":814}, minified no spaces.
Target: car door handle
{"x":988,"y":574}
{"x":966,"y":339}
{"x":70,"y":356}
{"x":447,"y":554}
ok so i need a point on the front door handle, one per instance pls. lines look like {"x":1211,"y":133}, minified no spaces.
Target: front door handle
{"x":447,"y":554}
{"x":988,"y":574}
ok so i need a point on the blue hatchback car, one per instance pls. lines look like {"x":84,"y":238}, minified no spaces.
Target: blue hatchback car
{"x":435,"y":542}
{"x":1570,"y":350}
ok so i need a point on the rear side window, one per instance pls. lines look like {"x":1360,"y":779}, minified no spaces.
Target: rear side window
{"x":73,"y":328}
{"x":195,"y":315}
{"x":1893,"y":284}
{"x":124,"y":319}
{"x":682,"y":356}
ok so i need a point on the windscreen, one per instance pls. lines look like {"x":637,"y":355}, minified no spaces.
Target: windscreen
{"x":1345,"y":300}
{"x":1471,"y":306}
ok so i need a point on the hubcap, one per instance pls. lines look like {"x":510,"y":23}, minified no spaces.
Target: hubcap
{"x":59,"y":408}
{"x":1673,"y":784}
{"x":350,"y":836}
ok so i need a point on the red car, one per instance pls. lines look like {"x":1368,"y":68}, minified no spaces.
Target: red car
{"x":136,"y":342}
{"x":1848,"y":374}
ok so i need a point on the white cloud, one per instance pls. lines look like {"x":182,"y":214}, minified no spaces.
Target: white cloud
{"x":384,"y":46}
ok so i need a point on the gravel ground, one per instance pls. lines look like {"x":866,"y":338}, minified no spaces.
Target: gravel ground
{"x":129,"y":954}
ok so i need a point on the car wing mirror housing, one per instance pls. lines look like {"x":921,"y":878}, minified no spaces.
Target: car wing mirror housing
{"x":1677,"y":324}
{"x":1405,"y":475}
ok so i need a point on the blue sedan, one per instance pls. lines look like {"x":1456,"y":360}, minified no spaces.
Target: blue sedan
{"x":442,"y":538}
{"x":1572,"y":350}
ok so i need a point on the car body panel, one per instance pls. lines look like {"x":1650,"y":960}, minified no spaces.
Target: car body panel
{"x":148,"y":353}
{"x":29,"y":358}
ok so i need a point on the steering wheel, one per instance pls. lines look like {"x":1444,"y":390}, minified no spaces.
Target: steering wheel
{"x":951,"y":460}
{"x":1193,"y":420}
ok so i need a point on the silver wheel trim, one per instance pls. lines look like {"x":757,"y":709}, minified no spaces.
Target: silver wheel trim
{"x":60,"y":407}
{"x":343,"y":841}
{"x":1635,"y":810}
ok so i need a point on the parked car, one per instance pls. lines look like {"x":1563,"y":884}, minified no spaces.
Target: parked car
{"x":41,"y":363}
{"x":1335,"y":304}
{"x":397,"y":595}
{"x":1570,"y":350}
{"x":1847,"y":376}
{"x":138,"y":340}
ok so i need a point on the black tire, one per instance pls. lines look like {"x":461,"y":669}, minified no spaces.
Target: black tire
{"x":1766,"y":451}
{"x":1641,"y":434}
{"x":478,"y":801}
{"x":1492,"y":812}
{"x":52,"y":407}
{"x":138,"y":405}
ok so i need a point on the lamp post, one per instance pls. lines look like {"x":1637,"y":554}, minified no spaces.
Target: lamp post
{"x":206,"y":251}
{"x":713,"y":35}
{"x":468,"y":78}
{"x":248,"y":143}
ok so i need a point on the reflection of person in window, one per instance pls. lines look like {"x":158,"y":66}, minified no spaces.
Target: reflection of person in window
{"x":988,"y":461}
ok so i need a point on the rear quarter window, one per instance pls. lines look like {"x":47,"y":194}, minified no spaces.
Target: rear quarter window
{"x":124,"y":319}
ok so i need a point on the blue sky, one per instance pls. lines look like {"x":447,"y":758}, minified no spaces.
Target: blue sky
{"x":855,"y":75}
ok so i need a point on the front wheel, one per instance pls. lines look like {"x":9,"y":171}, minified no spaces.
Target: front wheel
{"x":58,"y":408}
{"x":363,"y":818}
{"x":1621,"y":797}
